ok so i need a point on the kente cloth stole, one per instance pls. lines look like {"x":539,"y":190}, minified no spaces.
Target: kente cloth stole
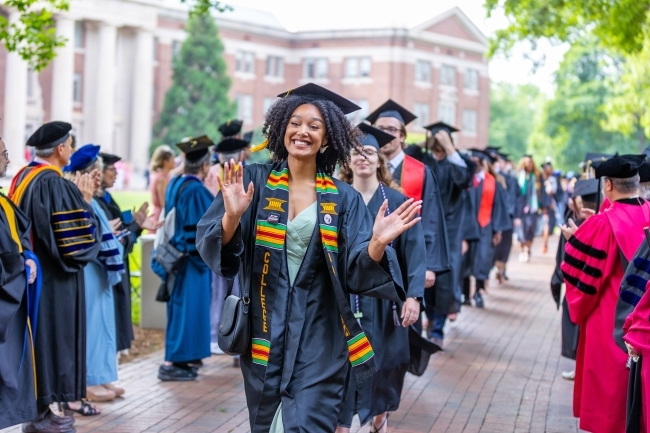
{"x":487,"y":200}
{"x":271,"y":223}
{"x":413,"y":174}
{"x":11,"y":219}
{"x":22,"y":181}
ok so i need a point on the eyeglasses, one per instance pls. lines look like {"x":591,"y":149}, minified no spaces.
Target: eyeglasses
{"x":365,"y":152}
{"x":5,"y":154}
{"x":390,"y":129}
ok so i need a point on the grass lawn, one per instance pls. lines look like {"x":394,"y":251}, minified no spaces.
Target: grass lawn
{"x":133,"y":200}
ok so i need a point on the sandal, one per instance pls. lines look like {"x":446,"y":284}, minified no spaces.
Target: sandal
{"x":373,"y":427}
{"x":86,"y":409}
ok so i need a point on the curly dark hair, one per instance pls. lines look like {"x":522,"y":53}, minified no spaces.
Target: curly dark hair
{"x":342,"y":136}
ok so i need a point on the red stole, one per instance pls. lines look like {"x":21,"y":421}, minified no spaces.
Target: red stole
{"x":487,"y":200}
{"x":413,"y":173}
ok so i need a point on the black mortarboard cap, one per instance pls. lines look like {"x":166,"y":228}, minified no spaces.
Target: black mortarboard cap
{"x":441,"y":126}
{"x":644,"y":172}
{"x":318,"y":92}
{"x":374,"y":137}
{"x":391,"y":108}
{"x":620,"y":167}
{"x":482,"y":154}
{"x":588,"y":189}
{"x":248,"y":136}
{"x":231,"y":144}
{"x":231,"y":127}
{"x":50,"y":135}
{"x":109,"y":159}
{"x":595,"y":159}
{"x":504,"y":156}
{"x":195,"y":148}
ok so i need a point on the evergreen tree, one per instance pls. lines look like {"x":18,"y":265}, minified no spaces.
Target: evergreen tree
{"x":197,"y":102}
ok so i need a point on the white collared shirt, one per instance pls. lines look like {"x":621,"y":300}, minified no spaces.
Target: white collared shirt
{"x":395,"y":162}
{"x":41,"y":161}
{"x":456,"y":159}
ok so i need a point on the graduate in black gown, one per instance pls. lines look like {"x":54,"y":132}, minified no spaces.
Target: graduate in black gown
{"x":66,"y":237}
{"x":304,"y":334}
{"x":502,"y":251}
{"x":454,"y":173}
{"x":417,"y":182}
{"x":385,"y":323}
{"x":131,"y":226}
{"x":17,"y":386}
{"x":489,"y":212}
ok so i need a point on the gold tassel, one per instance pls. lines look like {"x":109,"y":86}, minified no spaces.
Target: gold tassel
{"x":260,"y":146}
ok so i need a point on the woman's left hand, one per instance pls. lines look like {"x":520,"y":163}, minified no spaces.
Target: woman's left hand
{"x":32,"y":270}
{"x":388,"y":227}
{"x":410,"y":312}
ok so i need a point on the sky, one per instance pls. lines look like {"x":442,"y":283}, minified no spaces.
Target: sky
{"x":336,"y":14}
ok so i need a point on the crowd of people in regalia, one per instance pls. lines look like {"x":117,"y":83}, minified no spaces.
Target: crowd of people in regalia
{"x":328,"y":272}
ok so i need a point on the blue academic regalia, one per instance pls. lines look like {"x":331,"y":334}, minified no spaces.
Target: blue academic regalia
{"x":188,"y":311}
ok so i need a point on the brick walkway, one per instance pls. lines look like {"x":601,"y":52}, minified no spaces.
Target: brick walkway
{"x":500,"y":372}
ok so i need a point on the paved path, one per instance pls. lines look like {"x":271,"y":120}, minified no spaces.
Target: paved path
{"x":500,"y":372}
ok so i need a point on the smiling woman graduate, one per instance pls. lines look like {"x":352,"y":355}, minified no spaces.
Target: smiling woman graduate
{"x":315,"y":238}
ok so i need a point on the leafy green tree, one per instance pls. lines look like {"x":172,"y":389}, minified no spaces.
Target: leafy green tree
{"x":197,"y":102}
{"x":513,"y":112}
{"x":572,"y":122}
{"x":619,"y":24}
{"x":34,"y":37}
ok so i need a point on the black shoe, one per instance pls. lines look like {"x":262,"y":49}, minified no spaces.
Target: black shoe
{"x":175,"y":373}
{"x":467,"y":302}
{"x":197,"y":363}
{"x":478,"y":300}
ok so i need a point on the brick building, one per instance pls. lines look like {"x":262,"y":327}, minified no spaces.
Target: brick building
{"x":110,"y":80}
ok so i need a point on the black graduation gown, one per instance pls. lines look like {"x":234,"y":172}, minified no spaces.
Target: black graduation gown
{"x":502,"y":251}
{"x":54,"y":203}
{"x":382,"y":392}
{"x":452,"y":181}
{"x":477,"y":260}
{"x":308,"y":362}
{"x":17,"y":393}
{"x":122,"y":291}
{"x":433,"y":222}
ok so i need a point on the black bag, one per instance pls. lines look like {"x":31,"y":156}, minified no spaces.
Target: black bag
{"x":234,"y":329}
{"x":420,"y":350}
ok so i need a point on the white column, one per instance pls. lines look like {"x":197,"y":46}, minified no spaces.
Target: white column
{"x":103,"y":110}
{"x":142,"y":99}
{"x":15,"y":106}
{"x":63,"y":72}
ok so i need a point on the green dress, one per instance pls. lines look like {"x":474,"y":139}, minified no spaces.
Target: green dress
{"x":299,"y":233}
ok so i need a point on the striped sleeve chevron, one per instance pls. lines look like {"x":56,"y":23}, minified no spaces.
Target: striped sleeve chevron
{"x":73,"y":230}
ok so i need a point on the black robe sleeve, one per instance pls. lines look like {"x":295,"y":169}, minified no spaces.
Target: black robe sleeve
{"x":500,"y":219}
{"x":433,"y":224}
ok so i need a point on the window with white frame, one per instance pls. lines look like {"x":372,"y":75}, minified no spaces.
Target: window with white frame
{"x":423,"y":71}
{"x":469,"y":121}
{"x":266,"y":104}
{"x":356,"y":67}
{"x":471,"y":79}
{"x":244,"y":61}
{"x":76,"y":88}
{"x":176,"y":48}
{"x":447,"y":112}
{"x":315,"y":68}
{"x":78,"y":34}
{"x":421,"y":110}
{"x":448,"y":75}
{"x":245,"y":107}
{"x":274,"y":67}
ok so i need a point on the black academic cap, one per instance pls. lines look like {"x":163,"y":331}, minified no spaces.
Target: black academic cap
{"x":391,"y":108}
{"x":493,"y":152}
{"x":585,"y":187}
{"x":50,"y":135}
{"x":504,"y":156}
{"x":195,"y":148}
{"x":595,"y":159}
{"x":231,"y":144}
{"x":109,"y":159}
{"x":620,"y":167}
{"x":248,"y":137}
{"x":482,"y":154}
{"x":318,"y":92}
{"x":644,"y":172}
{"x":374,"y":137}
{"x":441,"y":126}
{"x":231,"y":127}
